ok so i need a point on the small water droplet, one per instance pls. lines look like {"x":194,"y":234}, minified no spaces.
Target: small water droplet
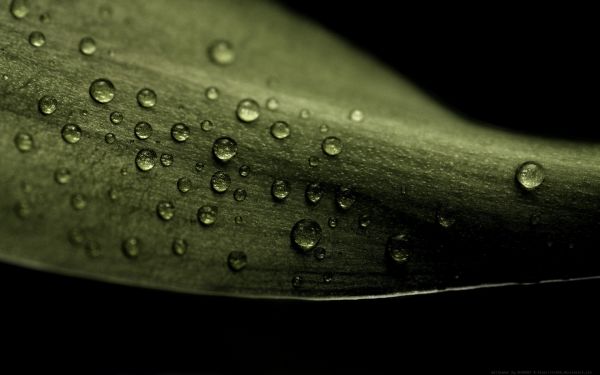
{"x":530,"y":175}
{"x":220,"y":182}
{"x":333,"y":222}
{"x":239,"y":220}
{"x":5,"y":77}
{"x":24,"y":142}
{"x":324,"y":128}
{"x":87,"y":46}
{"x":199,"y":167}
{"x":116,"y":117}
{"x":92,"y":249}
{"x":62,"y":176}
{"x":397,"y":249}
{"x":146,"y":98}
{"x":248,"y":110}
{"x":102,"y":90}
{"x":78,"y":201}
{"x":145,"y":159}
{"x":37,"y":39}
{"x":272,"y":104}
{"x":142,"y":130}
{"x":224,"y":148}
{"x":280,"y":189}
{"x":306,"y":234}
{"x":110,"y":138}
{"x":113,"y":194}
{"x":207,"y":125}
{"x":445,"y":217}
{"x":179,"y":246}
{"x":165,"y":210}
{"x":212,"y":93}
{"x":180,"y":132}
{"x":221,"y":52}
{"x":184,"y":184}
{"x":319,"y":253}
{"x":47,"y":104}
{"x":237,"y":260}
{"x":244,"y":170}
{"x":23,"y":209}
{"x":327,"y":277}
{"x":304,"y":113}
{"x":364,"y":220}
{"x":297,"y":282}
{"x":280,"y":130}
{"x":239,"y":195}
{"x":345,"y":198}
{"x":313,"y":161}
{"x":313,"y":193}
{"x":166,"y":160}
{"x":131,"y":247}
{"x":71,"y":133}
{"x":356,"y":115}
{"x":19,"y":8}
{"x":45,"y":17}
{"x":207,"y":215}
{"x":124,"y":171}
{"x":332,"y":146}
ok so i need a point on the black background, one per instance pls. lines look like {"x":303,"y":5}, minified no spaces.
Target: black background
{"x":527,"y":69}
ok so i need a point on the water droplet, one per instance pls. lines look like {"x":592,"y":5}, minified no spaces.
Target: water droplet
{"x":327,"y":277}
{"x":280,"y":130}
{"x":62,"y":176}
{"x":280,"y":189}
{"x":45,"y":17}
{"x":397,"y":249}
{"x":87,"y":46}
{"x":92,"y":249}
{"x":345,"y":198}
{"x":324,"y":128}
{"x":142,"y":130}
{"x":24,"y":142}
{"x":239,"y":220}
{"x":131,"y":247}
{"x":356,"y":115}
{"x":166,"y":160}
{"x":239,"y":195}
{"x":47,"y":104}
{"x":145,"y":159}
{"x":102,"y":90}
{"x":530,"y":175}
{"x":220,"y":182}
{"x":332,"y":146}
{"x":23,"y":209}
{"x":364,"y":220}
{"x":37,"y":39}
{"x":272,"y":104}
{"x":224,"y":148}
{"x":444,"y":217}
{"x":110,"y":138}
{"x":304,"y":113}
{"x":306,"y":234}
{"x":199,"y":167}
{"x":78,"y":201}
{"x":313,"y":161}
{"x":71,"y":133}
{"x":212,"y":93}
{"x":113,"y":194}
{"x":237,"y":260}
{"x":165,"y":210}
{"x":180,"y":132}
{"x":207,"y":215}
{"x":124,"y":171}
{"x":116,"y":117}
{"x":5,"y":77}
{"x":248,"y":110}
{"x":146,"y":98}
{"x":19,"y":8}
{"x":313,"y":193}
{"x":207,"y":125}
{"x":297,"y":281}
{"x":319,"y":253}
{"x":244,"y":171}
{"x":333,"y":222}
{"x":221,"y":52}
{"x":179,"y":246}
{"x":184,"y":184}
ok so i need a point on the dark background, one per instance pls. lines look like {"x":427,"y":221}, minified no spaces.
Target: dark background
{"x":527,"y":69}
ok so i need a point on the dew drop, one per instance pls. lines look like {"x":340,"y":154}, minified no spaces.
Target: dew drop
{"x":23,"y":209}
{"x":224,"y":148}
{"x":248,"y":110}
{"x":221,"y":52}
{"x":345,"y":198}
{"x":78,"y":201}
{"x":332,"y":222}
{"x":397,"y":249}
{"x":113,"y":194}
{"x":304,"y":113}
{"x":272,"y":104}
{"x":116,"y":117}
{"x":212,"y":93}
{"x":319,"y":253}
{"x":297,"y":282}
{"x":62,"y":176}
{"x":47,"y":104}
{"x":444,"y":217}
{"x":324,"y":128}
{"x":244,"y":170}
{"x":45,"y":17}
{"x":131,"y":247}
{"x":306,"y":234}
{"x":220,"y":182}
{"x":199,"y":167}
{"x":24,"y":142}
{"x":530,"y":175}
{"x":110,"y":138}
{"x":19,"y":8}
{"x":145,"y":159}
{"x":165,"y":210}
{"x":87,"y":46}
{"x":313,"y":161}
{"x":184,"y":184}
{"x":280,"y":130}
{"x":92,"y":249}
{"x":37,"y":39}
{"x":102,"y":90}
{"x":327,"y":277}
{"x":142,"y":130}
{"x":332,"y":146}
{"x":146,"y":98}
{"x":207,"y":215}
{"x":207,"y":125}
{"x":364,"y":220}
{"x":238,"y":220}
{"x":71,"y":133}
{"x":179,"y":246}
{"x":239,"y":195}
{"x":180,"y":132}
{"x":237,"y":260}
{"x":166,"y":160}
{"x":280,"y":189}
{"x":356,"y":115}
{"x":313,"y":193}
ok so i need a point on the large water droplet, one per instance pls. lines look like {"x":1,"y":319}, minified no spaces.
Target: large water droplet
{"x":145,"y":159}
{"x":280,"y":189}
{"x":165,"y":210}
{"x":280,"y":130}
{"x":221,"y":52}
{"x":78,"y":201}
{"x":212,"y":93}
{"x":248,"y":110}
{"x":207,"y":215}
{"x":102,"y":90}
{"x":131,"y":247}
{"x":47,"y":104}
{"x":184,"y":184}
{"x":220,"y":182}
{"x":166,"y":160}
{"x":71,"y":133}
{"x":62,"y":176}
{"x":306,"y":234}
{"x":345,"y":198}
{"x":356,"y":115}
{"x":179,"y":246}
{"x":237,"y":260}
{"x":24,"y":142}
{"x":142,"y":130}
{"x":244,"y":170}
{"x":207,"y":125}
{"x":272,"y":104}
{"x":180,"y":132}
{"x":313,"y":193}
{"x":239,"y":195}
{"x":116,"y":117}
{"x":146,"y":98}
{"x":224,"y":148}
{"x":530,"y":175}
{"x":87,"y":46}
{"x":37,"y":39}
{"x":397,"y":249}
{"x":332,"y":146}
{"x":19,"y":8}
